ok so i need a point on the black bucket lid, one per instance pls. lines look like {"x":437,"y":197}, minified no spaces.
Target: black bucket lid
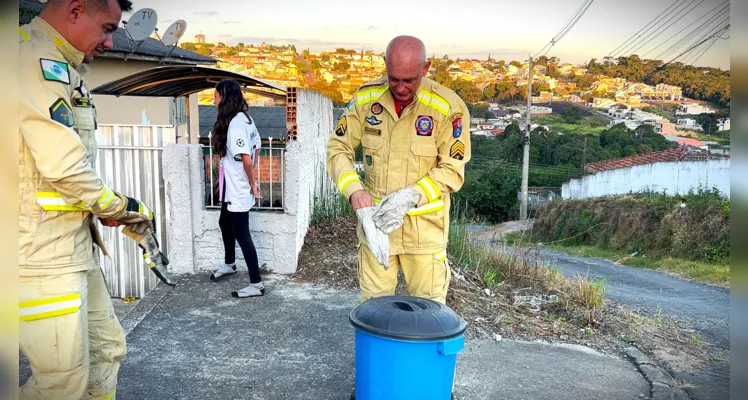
{"x":407,"y":318}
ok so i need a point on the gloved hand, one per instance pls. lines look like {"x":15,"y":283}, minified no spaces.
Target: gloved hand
{"x":392,"y":209}
{"x":377,"y":241}
{"x":135,"y":213}
{"x":154,"y":257}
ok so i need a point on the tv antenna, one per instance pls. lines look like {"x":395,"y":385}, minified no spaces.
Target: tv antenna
{"x":174,"y":32}
{"x":140,"y":26}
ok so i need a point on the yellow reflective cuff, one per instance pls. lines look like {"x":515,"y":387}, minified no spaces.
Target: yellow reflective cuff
{"x":429,"y":187}
{"x":367,"y":96}
{"x":110,"y":396}
{"x":106,"y":199}
{"x":434,"y":101}
{"x":148,"y":260}
{"x":53,"y":201}
{"x":50,"y":307}
{"x":441,"y":256}
{"x":427,"y":208}
{"x":346,"y":180}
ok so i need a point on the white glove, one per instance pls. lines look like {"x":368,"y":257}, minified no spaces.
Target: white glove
{"x":377,"y":241}
{"x":392,"y":209}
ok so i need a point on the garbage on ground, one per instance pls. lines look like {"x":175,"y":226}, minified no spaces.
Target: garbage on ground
{"x":535,"y":300}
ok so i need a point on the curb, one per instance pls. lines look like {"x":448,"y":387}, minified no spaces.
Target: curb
{"x":656,"y":376}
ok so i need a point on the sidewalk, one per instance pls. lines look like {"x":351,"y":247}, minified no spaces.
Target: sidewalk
{"x":195,"y":341}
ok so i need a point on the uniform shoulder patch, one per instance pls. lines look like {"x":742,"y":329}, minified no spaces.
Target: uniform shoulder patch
{"x":55,"y":71}
{"x":342,"y":127}
{"x":457,"y":150}
{"x":61,"y":112}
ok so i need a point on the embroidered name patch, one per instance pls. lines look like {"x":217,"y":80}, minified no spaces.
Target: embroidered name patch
{"x":61,"y":112}
{"x":372,"y":131}
{"x":342,"y":126}
{"x":424,"y":125}
{"x":55,"y":71}
{"x":457,"y":150}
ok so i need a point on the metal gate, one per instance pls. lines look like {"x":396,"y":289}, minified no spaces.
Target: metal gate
{"x":129,"y":161}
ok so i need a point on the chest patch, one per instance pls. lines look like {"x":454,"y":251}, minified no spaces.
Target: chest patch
{"x":372,"y":120}
{"x":372,"y":131}
{"x":376,"y":108}
{"x":60,"y":111}
{"x":424,"y":125}
{"x":55,"y":71}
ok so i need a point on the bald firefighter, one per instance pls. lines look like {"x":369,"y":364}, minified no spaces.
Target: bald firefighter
{"x":68,"y":330}
{"x":415,"y":151}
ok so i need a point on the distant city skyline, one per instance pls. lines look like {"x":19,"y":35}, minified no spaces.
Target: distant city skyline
{"x":507,"y":30}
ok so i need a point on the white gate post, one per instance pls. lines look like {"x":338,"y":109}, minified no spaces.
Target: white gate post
{"x":177,"y":164}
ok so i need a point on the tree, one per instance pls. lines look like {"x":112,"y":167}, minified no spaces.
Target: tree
{"x":470,"y":95}
{"x":204,"y":51}
{"x":341,"y":67}
{"x":188,"y":46}
{"x":489,"y":93}
{"x":315,"y":65}
{"x":240,"y":45}
{"x":571,"y":115}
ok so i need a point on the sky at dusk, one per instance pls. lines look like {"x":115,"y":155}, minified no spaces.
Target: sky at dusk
{"x":508,"y":30}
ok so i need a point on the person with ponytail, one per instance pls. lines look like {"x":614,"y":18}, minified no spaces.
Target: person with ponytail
{"x":236,"y":140}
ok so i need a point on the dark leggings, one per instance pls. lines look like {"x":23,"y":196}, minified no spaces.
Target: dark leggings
{"x":235,"y":228}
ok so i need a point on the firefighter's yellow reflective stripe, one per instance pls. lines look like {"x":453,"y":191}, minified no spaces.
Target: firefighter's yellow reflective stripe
{"x":23,"y":36}
{"x":367,"y":96}
{"x":435,"y":101}
{"x":441,"y":256}
{"x":145,"y":210}
{"x":428,"y":186}
{"x":50,"y":307}
{"x":346,"y":180}
{"x":110,"y":396}
{"x":106,"y":199}
{"x":53,"y":201}
{"x":429,"y":207}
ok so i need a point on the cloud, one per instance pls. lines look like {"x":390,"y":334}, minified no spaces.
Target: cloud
{"x":372,"y":28}
{"x":206,"y":13}
{"x":225,"y":35}
{"x":231,"y":22}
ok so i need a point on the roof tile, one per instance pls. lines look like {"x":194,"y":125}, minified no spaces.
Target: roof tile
{"x":672,"y":155}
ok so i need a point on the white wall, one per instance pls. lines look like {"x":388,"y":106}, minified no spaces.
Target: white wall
{"x":194,"y":235}
{"x":671,"y":177}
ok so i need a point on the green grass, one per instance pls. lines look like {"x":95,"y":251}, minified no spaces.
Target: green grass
{"x":713,"y":273}
{"x":587,"y":126}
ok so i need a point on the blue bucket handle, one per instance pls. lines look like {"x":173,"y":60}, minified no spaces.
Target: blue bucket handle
{"x":451,"y":347}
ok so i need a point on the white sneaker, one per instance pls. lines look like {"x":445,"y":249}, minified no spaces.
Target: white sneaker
{"x":253,"y":290}
{"x":224,"y":271}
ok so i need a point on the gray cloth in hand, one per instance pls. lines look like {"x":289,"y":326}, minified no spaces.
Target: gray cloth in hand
{"x":376,"y":240}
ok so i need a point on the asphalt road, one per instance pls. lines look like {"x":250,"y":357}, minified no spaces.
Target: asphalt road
{"x":705,"y":307}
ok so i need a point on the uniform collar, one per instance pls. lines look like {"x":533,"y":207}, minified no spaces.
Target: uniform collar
{"x":44,"y":30}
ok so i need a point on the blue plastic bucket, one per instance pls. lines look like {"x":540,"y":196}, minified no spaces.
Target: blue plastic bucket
{"x":406,"y":348}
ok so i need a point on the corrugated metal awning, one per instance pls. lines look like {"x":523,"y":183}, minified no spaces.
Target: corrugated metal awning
{"x":184,"y":80}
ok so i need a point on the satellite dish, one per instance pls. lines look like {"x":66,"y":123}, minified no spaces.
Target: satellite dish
{"x":174,"y":32}
{"x":142,"y":24}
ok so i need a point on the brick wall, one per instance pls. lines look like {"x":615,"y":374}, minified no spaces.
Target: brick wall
{"x":271,"y":165}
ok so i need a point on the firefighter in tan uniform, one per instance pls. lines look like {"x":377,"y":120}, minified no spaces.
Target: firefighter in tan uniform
{"x":415,"y":151}
{"x":67,"y":330}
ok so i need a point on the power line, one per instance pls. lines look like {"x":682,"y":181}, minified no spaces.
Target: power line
{"x":684,"y":28}
{"x":706,"y":26}
{"x":666,"y":28}
{"x":717,"y":36}
{"x":657,"y":27}
{"x":638,"y":33}
{"x":567,"y":26}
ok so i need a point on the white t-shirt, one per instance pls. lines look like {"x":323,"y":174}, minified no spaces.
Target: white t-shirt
{"x":242,"y":138}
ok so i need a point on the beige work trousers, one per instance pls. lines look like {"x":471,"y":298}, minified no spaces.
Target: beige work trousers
{"x":70,"y":335}
{"x":425,"y":275}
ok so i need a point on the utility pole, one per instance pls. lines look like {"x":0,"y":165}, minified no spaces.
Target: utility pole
{"x":526,"y":155}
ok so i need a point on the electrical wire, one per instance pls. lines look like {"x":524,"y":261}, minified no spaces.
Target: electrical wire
{"x":645,"y":26}
{"x":686,"y":27}
{"x":717,"y":36}
{"x":567,"y":27}
{"x":657,"y":27}
{"x":707,"y":26}
{"x":665,"y":29}
{"x":640,"y":32}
